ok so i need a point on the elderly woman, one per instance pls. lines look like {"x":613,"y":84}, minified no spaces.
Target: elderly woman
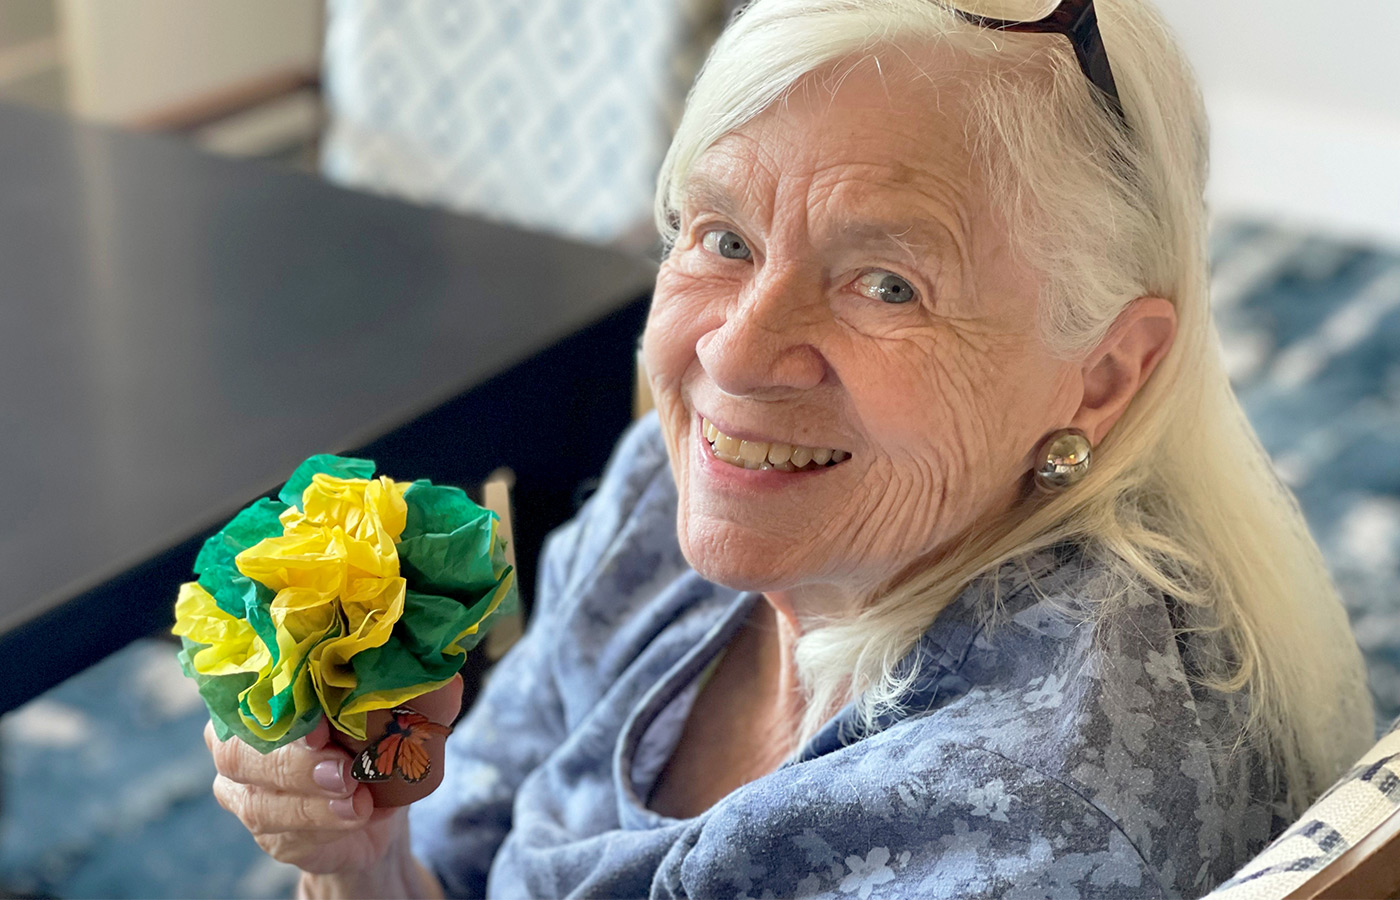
{"x":948,"y":566}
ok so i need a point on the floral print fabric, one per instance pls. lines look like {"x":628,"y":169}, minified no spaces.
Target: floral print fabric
{"x":1038,"y":756}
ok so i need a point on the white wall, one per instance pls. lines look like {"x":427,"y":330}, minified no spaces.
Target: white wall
{"x":1304,"y":97}
{"x":132,"y":58}
{"x":31,"y":55}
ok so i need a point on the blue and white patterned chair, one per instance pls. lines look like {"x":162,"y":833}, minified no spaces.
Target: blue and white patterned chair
{"x":1347,"y":844}
{"x":549,"y":114}
{"x":1311,"y":330}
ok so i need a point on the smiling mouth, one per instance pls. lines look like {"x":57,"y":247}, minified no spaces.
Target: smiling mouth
{"x":765,"y":456}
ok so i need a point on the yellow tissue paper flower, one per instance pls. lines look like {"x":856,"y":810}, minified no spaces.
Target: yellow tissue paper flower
{"x":369,"y":612}
{"x":324,"y":601}
{"x":346,"y":530}
{"x":336,"y":573}
{"x":366,"y":509}
{"x":233,"y":645}
{"x":303,"y":618}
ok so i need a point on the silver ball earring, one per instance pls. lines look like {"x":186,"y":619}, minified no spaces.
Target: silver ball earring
{"x":1063,"y":459}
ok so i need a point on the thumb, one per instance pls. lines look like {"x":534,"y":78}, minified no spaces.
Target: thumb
{"x":319,"y":736}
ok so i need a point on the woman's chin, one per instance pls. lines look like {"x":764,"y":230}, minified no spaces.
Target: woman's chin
{"x":740,"y":564}
{"x":738,"y":580}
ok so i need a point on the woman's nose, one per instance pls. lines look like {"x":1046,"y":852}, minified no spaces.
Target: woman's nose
{"x":765,"y":345}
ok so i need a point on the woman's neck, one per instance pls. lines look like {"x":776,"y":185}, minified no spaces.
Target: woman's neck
{"x":772,"y":636}
{"x":806,"y":606}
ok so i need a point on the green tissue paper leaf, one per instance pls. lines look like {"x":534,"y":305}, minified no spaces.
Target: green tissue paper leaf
{"x":447,"y":544}
{"x":251,"y":525}
{"x":220,"y":694}
{"x":219,"y":575}
{"x":323,"y":464}
{"x":437,"y":509}
{"x":457,"y":563}
{"x":416,"y":651}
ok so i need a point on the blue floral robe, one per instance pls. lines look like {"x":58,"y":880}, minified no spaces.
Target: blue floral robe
{"x":1039,"y":757}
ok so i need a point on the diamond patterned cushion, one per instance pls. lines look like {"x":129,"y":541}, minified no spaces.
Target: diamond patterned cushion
{"x":551,"y":114}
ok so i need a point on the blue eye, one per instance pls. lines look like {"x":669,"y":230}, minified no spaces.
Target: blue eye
{"x":886,"y":286}
{"x":726,"y":243}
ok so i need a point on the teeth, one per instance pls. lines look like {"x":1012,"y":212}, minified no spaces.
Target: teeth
{"x":753,"y":454}
{"x":760,"y":455}
{"x":727,"y":449}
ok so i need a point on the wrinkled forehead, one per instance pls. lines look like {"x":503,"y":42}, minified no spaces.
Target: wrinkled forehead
{"x":886,"y":134}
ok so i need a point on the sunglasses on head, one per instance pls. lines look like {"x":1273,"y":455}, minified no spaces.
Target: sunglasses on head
{"x":1075,"y":19}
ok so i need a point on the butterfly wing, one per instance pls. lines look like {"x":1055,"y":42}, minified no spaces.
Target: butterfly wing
{"x":386,"y":760}
{"x":401,"y":748}
{"x":417,"y":722}
{"x":413,"y":762}
{"x":375,"y":762}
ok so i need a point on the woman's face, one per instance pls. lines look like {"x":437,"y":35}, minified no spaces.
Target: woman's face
{"x":841,"y":285}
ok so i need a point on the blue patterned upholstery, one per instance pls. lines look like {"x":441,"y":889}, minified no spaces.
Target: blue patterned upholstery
{"x":1311,"y":329}
{"x":551,"y":114}
{"x":1358,"y":803}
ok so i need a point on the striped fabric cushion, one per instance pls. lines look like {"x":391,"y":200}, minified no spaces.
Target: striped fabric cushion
{"x":1354,"y":806}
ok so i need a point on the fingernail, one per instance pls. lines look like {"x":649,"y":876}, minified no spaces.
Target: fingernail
{"x":329,"y":775}
{"x":344,"y":807}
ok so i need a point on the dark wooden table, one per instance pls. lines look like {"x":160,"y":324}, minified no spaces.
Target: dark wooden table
{"x":178,"y":331}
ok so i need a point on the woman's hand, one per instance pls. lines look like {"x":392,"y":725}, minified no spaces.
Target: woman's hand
{"x":302,"y":807}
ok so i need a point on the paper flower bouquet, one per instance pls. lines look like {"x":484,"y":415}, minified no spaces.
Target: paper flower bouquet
{"x":345,"y":595}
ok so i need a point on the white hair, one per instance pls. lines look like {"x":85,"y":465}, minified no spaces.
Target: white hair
{"x":1181,"y":497}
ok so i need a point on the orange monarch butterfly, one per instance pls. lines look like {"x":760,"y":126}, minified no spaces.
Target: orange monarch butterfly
{"x":400,"y":748}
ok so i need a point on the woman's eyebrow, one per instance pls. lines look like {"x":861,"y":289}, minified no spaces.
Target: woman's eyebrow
{"x":919,"y":238}
{"x":703,"y":191}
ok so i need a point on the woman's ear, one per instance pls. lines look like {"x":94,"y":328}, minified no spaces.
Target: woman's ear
{"x":1122,"y":362}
